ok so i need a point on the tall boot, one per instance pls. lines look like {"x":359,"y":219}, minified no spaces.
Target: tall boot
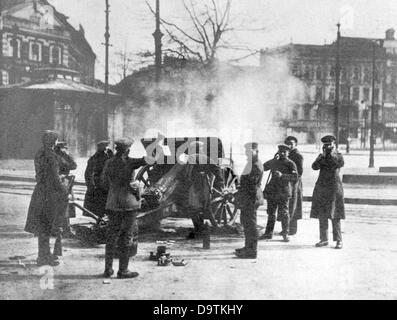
{"x":109,"y":252}
{"x":58,"y":244}
{"x":124,"y":260}
{"x":45,"y":257}
{"x":271,"y":221}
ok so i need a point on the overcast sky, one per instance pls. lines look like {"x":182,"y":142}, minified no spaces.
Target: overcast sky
{"x":302,"y":21}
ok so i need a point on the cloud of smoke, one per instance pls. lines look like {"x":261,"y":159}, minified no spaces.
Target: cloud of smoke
{"x":236,"y":104}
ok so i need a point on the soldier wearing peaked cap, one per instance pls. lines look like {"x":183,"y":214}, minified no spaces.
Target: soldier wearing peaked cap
{"x":278,"y":191}
{"x":249,"y":198}
{"x":49,"y":199}
{"x":122,"y":202}
{"x":328,"y":199}
{"x":295,"y":205}
{"x":96,"y":195}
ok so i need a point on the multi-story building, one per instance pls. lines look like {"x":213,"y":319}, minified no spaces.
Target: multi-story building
{"x":47,"y":80}
{"x":313,"y":114}
{"x":36,"y":38}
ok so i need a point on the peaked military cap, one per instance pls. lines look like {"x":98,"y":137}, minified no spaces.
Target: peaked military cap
{"x":103,"y":143}
{"x":283,"y":147}
{"x":328,"y":139}
{"x":62,"y":145}
{"x":124,"y":142}
{"x":251,"y":145}
{"x":290,"y":138}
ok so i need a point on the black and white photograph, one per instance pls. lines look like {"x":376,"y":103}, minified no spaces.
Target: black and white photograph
{"x":198,"y":150}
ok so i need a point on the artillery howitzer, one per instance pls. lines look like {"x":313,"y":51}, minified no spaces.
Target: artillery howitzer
{"x":164,"y":190}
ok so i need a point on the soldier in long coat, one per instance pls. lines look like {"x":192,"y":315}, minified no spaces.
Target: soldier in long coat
{"x":199,"y":173}
{"x":96,"y":195}
{"x":122,"y":203}
{"x":295,"y":205}
{"x":279,"y":192}
{"x":328,"y":198}
{"x":49,"y":199}
{"x":249,"y":197}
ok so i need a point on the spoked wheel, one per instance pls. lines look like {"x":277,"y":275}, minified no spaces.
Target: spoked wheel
{"x":144,"y":175}
{"x":224,"y":210}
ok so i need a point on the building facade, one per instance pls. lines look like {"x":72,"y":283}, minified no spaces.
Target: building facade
{"x":34,"y":36}
{"x":47,"y":79}
{"x":313,"y":112}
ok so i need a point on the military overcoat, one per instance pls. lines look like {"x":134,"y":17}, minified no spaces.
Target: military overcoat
{"x":328,"y":198}
{"x":50,"y":196}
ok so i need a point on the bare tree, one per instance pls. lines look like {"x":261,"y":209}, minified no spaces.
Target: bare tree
{"x":126,"y":62}
{"x":123,"y":64}
{"x":209,"y":23}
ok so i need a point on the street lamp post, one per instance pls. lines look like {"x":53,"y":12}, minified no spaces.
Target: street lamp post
{"x":157,"y":43}
{"x":348,"y":122}
{"x":337,"y":86}
{"x":106,"y":106}
{"x":372,"y":135}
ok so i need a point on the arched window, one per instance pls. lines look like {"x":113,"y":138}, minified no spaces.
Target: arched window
{"x":332,"y":72}
{"x":357,"y":74}
{"x":55,"y":55}
{"x":319,"y":73}
{"x":367,"y":77}
{"x":35,"y":51}
{"x":14,"y":46}
{"x":308,"y":73}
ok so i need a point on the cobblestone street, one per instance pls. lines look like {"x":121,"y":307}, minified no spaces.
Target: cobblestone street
{"x":364,"y":269}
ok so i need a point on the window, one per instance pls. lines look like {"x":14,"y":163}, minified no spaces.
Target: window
{"x":319,"y":73}
{"x":344,"y":74}
{"x":356,"y":94}
{"x":307,"y":74}
{"x":14,"y":48}
{"x":4,"y":78}
{"x":294,"y":114}
{"x":319,"y":94}
{"x":295,"y":70}
{"x":332,"y":72}
{"x":366,"y":94}
{"x":357,"y":74}
{"x":35,"y":51}
{"x":345,"y":93}
{"x":331,"y":96}
{"x":367,"y":77}
{"x":55,"y":55}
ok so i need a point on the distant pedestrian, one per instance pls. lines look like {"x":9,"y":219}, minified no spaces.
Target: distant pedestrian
{"x":49,"y":199}
{"x":249,"y":198}
{"x":328,"y":199}
{"x":96,"y":195}
{"x":295,"y":204}
{"x":278,"y":191}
